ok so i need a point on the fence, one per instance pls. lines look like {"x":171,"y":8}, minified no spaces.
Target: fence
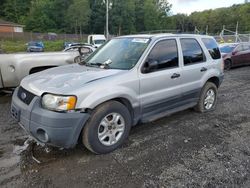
{"x":233,"y":38}
{"x":29,"y":36}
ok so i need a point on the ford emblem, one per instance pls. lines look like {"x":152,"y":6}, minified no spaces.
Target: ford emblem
{"x":23,"y":95}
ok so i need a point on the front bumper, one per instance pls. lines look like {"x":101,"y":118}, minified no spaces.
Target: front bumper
{"x":48,"y":127}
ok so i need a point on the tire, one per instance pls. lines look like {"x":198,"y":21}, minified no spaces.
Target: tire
{"x":77,"y":59}
{"x":227,"y":64}
{"x":94,"y":131}
{"x":208,"y":89}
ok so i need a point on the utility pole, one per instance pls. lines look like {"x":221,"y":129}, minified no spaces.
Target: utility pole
{"x":236,"y":32}
{"x":107,"y":19}
{"x":207,"y":30}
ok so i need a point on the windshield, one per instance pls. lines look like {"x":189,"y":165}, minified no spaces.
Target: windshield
{"x":119,"y":53}
{"x":227,"y":49}
{"x":100,"y":41}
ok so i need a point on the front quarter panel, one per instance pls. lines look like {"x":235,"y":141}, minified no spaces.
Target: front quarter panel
{"x":102,"y":95}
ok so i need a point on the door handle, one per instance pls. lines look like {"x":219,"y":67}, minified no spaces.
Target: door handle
{"x":175,"y":75}
{"x":203,"y":69}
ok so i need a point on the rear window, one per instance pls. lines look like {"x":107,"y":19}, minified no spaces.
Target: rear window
{"x":212,"y":47}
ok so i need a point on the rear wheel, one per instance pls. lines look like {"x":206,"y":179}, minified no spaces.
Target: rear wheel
{"x":107,"y":128}
{"x":208,"y":98}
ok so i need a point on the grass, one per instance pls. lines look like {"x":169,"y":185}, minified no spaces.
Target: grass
{"x":11,"y":46}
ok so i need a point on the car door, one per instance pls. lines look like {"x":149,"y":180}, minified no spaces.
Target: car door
{"x":238,"y":55}
{"x":194,"y":68}
{"x":246,"y":54}
{"x":160,"y":87}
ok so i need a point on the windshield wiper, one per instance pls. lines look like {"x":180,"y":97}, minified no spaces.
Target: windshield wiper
{"x":104,"y":65}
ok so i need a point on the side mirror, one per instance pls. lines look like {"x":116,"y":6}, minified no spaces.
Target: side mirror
{"x":234,"y":52}
{"x":150,"y":65}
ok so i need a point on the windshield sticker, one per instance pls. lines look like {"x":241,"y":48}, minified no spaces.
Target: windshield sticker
{"x":140,"y":40}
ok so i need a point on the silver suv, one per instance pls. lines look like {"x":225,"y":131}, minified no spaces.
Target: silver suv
{"x":130,"y":79}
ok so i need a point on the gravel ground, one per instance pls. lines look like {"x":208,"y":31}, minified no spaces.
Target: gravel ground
{"x":187,"y":149}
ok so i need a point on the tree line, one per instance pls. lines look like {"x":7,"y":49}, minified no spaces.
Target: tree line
{"x":126,"y":16}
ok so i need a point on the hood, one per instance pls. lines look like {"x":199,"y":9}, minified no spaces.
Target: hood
{"x":65,"y":79}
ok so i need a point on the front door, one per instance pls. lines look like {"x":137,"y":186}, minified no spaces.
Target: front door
{"x":238,"y":55}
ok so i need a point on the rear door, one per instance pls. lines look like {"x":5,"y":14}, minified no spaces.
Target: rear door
{"x":195,"y":66}
{"x":160,"y":88}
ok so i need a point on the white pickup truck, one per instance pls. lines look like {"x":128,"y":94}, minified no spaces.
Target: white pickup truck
{"x":96,"y":40}
{"x":14,"y":67}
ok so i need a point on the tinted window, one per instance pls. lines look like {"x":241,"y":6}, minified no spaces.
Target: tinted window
{"x":192,"y":52}
{"x":165,"y":53}
{"x":246,"y":47}
{"x":212,"y":47}
{"x":239,"y":48}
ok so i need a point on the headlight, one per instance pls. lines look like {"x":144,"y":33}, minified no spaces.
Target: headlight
{"x":58,"y":103}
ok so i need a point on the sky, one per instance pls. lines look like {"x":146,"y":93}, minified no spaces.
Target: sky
{"x":189,"y":6}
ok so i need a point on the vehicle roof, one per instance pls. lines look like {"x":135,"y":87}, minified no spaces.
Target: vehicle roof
{"x":163,"y":35}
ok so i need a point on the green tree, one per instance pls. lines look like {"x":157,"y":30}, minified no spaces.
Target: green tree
{"x":97,"y":16}
{"x":39,"y":18}
{"x":15,"y":10}
{"x":78,"y":15}
{"x":122,"y":17}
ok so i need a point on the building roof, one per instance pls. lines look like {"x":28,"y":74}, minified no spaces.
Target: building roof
{"x":6,"y":23}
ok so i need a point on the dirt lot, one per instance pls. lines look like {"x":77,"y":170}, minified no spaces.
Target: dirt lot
{"x":187,"y":149}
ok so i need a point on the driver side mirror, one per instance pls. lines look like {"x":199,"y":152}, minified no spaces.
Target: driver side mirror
{"x":234,"y":52}
{"x":150,"y":66}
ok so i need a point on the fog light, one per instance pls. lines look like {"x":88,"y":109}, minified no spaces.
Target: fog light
{"x":42,"y":136}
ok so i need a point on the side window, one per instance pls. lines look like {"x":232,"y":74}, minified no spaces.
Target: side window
{"x":212,"y":47}
{"x":192,"y":51}
{"x":165,"y":53}
{"x":246,"y":47}
{"x":239,"y":48}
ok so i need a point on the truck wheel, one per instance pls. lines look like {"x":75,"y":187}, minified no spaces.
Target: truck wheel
{"x":208,"y":98}
{"x":107,"y":128}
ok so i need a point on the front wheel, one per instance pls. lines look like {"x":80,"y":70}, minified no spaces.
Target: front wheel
{"x":227,"y":65}
{"x":208,"y":98}
{"x":107,"y":128}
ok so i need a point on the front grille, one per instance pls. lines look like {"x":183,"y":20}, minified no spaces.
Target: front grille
{"x":25,"y":95}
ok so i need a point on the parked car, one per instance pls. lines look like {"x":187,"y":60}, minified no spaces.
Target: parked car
{"x":235,"y":54}
{"x":130,"y":79}
{"x":14,"y":67}
{"x":35,"y":46}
